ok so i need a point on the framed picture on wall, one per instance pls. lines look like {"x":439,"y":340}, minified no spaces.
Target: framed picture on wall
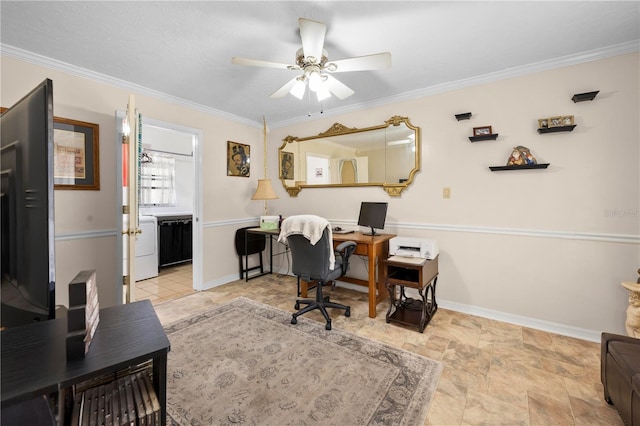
{"x":75,"y":154}
{"x":238,"y":159}
{"x":76,"y":160}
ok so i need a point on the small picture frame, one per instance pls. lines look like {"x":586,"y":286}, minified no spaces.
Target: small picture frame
{"x":482,"y":131}
{"x":286,"y":165}
{"x":238,"y":159}
{"x":543,"y":123}
{"x":567,"y":120}
{"x":555,"y":121}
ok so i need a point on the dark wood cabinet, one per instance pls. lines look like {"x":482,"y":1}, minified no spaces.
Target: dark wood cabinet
{"x":419,"y":274}
{"x":34,"y":359}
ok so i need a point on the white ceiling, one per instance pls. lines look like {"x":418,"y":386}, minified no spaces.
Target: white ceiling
{"x":183,"y":50}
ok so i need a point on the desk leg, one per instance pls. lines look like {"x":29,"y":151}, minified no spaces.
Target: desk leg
{"x":304,"y":287}
{"x":271,"y":254}
{"x":382,"y":252}
{"x":246,"y":257}
{"x":373,"y":285}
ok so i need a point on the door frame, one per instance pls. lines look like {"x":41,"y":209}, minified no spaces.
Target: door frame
{"x":197,"y":137}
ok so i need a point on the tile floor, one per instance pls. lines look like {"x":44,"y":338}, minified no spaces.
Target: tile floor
{"x":495,"y":373}
{"x":172,"y":282}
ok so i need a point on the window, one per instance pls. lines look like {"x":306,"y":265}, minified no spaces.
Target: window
{"x":157,"y":180}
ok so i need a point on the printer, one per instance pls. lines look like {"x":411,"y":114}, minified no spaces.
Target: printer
{"x":413,"y":247}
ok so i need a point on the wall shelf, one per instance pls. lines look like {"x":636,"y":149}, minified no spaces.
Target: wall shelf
{"x":490,"y":137}
{"x":463,"y":116}
{"x":581,"y":97}
{"x":523,"y":167}
{"x":557,"y":129}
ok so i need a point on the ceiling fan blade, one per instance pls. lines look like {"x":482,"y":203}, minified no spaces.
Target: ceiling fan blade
{"x":363,"y":63}
{"x":312,"y":34}
{"x":339,"y":89}
{"x":284,"y":90}
{"x":259,"y":63}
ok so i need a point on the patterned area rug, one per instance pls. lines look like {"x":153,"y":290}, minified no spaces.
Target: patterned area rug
{"x":244,"y":363}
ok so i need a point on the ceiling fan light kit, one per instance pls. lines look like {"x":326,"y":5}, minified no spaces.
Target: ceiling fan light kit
{"x":312,"y":60}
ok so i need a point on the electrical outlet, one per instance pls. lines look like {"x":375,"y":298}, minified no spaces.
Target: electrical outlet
{"x":446,"y":192}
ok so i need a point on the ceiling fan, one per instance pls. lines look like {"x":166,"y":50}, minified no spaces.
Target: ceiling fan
{"x":313,"y":61}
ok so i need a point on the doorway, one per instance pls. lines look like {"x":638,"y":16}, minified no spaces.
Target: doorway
{"x":177,"y":148}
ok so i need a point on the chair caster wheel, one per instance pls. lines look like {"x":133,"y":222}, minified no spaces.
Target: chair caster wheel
{"x":347,"y":312}
{"x":294,"y":320}
{"x":328,"y":326}
{"x":297,"y":306}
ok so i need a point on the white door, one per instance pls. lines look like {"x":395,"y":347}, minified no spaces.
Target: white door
{"x":130,"y":135}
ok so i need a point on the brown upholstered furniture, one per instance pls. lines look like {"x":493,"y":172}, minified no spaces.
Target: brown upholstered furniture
{"x":620,"y":375}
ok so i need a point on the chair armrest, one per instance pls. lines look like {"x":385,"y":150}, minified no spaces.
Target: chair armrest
{"x":343,"y":246}
{"x":345,"y":250}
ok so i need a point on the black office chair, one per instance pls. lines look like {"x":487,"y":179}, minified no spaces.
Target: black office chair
{"x":311,"y":263}
{"x":248,"y":244}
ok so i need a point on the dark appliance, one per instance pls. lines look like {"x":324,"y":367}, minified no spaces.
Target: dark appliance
{"x":175,"y":235}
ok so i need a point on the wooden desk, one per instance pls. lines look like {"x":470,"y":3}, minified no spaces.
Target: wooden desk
{"x":376,"y":248}
{"x":34,"y":356}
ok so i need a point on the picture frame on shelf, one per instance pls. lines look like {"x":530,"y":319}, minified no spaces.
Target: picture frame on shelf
{"x":567,"y":120}
{"x":76,"y":162}
{"x":238,"y":159}
{"x":543,"y":123}
{"x":482,"y":131}
{"x":555,"y":121}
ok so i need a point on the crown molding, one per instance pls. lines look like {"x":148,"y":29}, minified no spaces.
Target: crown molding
{"x":536,"y":67}
{"x":564,"y":61}
{"x":44,"y":61}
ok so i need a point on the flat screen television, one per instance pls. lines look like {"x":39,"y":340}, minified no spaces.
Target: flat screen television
{"x":372,"y":215}
{"x":27,"y":209}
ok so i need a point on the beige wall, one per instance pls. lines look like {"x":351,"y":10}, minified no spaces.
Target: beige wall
{"x":89,"y":217}
{"x":544,"y":247}
{"x":549,"y":245}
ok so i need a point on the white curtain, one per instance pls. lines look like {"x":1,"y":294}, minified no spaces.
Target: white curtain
{"x":354,"y":163}
{"x":158,"y":181}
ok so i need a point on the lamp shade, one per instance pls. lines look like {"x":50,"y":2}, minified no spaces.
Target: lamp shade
{"x":264,"y":191}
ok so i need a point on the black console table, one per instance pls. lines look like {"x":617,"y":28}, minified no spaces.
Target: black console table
{"x":34,"y":356}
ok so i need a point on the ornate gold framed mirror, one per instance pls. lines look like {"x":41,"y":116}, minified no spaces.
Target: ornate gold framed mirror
{"x":387,"y":155}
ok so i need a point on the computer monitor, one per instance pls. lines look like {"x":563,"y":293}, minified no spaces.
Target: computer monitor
{"x":372,"y":215}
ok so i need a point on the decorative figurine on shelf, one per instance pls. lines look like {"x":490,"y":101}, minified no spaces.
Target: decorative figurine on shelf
{"x":521,"y":156}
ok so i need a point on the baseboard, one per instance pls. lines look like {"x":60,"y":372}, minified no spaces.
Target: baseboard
{"x":548,"y":326}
